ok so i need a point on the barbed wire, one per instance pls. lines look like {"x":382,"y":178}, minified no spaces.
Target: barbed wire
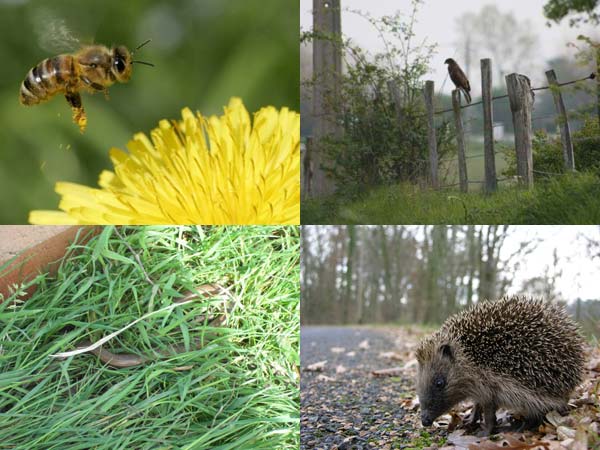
{"x":498,"y":97}
{"x":541,"y":172}
{"x":479,"y":155}
{"x":499,"y":180}
{"x":503,"y":152}
{"x":544,"y":116}
{"x":589,"y":138}
{"x":578,"y":110}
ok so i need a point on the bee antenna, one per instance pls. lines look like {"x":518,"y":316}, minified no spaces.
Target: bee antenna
{"x":143,"y":62}
{"x":140,"y":46}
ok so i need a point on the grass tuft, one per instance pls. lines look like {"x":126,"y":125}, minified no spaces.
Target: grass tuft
{"x":568,"y":199}
{"x":240,"y":390}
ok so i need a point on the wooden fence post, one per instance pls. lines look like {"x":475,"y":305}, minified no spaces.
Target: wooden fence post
{"x":327,"y":71}
{"x":491,"y":182}
{"x":565,"y":130}
{"x":460,"y":140}
{"x":521,"y":104}
{"x":598,"y":81}
{"x":306,"y":174}
{"x":433,"y":156}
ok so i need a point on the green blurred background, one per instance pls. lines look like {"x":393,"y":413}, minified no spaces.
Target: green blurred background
{"x":205,"y":51}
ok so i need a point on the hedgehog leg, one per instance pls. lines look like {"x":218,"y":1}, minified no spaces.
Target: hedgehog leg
{"x":532,"y":422}
{"x":527,"y":423}
{"x":471,"y":421}
{"x":489,"y":418}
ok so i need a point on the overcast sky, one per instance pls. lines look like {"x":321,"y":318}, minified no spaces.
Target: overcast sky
{"x":437,"y":23}
{"x":580,"y":274}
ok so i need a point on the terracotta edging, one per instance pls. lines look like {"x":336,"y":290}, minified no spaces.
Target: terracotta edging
{"x":43,"y":256}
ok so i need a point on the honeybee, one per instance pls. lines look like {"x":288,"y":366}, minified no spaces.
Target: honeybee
{"x":94,"y":68}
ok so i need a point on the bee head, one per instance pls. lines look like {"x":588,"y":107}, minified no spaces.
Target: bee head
{"x":121,"y":63}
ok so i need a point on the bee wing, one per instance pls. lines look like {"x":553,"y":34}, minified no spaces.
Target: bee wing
{"x":59,"y":38}
{"x":53,"y":34}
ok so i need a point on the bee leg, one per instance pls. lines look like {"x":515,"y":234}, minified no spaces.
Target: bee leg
{"x":100,"y":88}
{"x":79,"y":117}
{"x":96,"y":86}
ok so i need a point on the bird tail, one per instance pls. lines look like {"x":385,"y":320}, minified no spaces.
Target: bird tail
{"x":466,"y":94}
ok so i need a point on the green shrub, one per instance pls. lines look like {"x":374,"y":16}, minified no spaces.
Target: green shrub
{"x":586,"y":146}
{"x":378,"y":104}
{"x":547,"y":151}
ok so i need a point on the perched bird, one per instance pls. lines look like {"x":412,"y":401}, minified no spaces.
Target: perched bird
{"x":459,"y":78}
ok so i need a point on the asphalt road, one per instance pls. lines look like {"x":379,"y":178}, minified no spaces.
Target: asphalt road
{"x":343,"y":405}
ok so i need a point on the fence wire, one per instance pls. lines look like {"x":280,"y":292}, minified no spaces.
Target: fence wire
{"x":498,"y":97}
{"x":467,"y":132}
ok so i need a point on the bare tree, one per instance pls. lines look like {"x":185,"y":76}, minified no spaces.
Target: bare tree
{"x":512,"y":44}
{"x":362,"y":274}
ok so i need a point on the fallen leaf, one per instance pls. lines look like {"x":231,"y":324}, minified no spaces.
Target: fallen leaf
{"x":587,"y":398}
{"x":461,"y":440}
{"x":410,"y":403}
{"x":517,"y":444}
{"x":392,"y":372}
{"x":455,"y":421}
{"x":316,"y":367}
{"x":509,"y":443}
{"x":409,"y":364}
{"x":503,"y":417}
{"x":322,"y":377}
{"x":581,"y":439}
{"x":565,"y":433}
{"x":443,"y":421}
{"x":391,"y":355}
{"x":594,"y":364}
{"x":555,"y":419}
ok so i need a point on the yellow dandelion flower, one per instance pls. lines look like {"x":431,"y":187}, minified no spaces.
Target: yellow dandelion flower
{"x":215,"y":170}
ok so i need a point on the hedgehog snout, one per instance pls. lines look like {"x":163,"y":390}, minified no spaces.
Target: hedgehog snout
{"x":426,"y":419}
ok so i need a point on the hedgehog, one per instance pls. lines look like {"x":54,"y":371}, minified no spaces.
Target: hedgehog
{"x":523,"y":355}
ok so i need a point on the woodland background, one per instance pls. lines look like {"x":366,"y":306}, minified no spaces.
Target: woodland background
{"x":420,"y":274}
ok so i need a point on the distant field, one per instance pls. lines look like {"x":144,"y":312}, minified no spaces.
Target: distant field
{"x":475,"y":163}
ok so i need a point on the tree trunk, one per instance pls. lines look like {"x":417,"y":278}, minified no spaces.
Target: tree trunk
{"x":472,"y":262}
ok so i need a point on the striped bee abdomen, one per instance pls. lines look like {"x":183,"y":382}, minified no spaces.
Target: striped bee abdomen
{"x":46,"y":79}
